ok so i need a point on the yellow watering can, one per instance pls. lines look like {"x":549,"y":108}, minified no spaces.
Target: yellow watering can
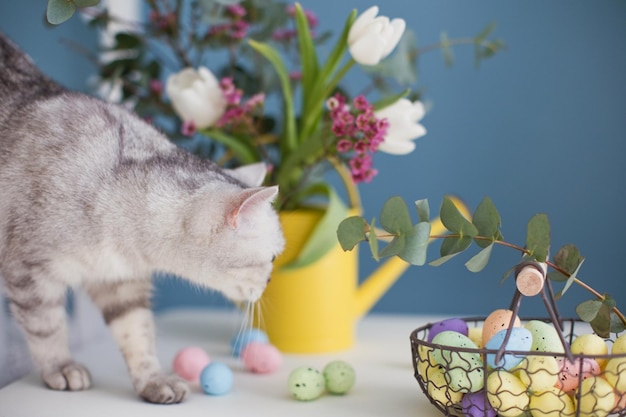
{"x":315,"y":309}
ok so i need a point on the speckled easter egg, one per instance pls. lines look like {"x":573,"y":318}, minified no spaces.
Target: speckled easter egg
{"x":476,"y":335}
{"x":463,"y":371}
{"x":520,"y":340}
{"x":551,"y":402}
{"x":568,"y":378}
{"x":454,"y":325}
{"x":216,"y":379}
{"x":615,"y":373}
{"x":591,"y":344}
{"x":189,"y":363}
{"x":619,"y":346}
{"x":439,"y":390}
{"x":538,"y":373}
{"x":261,"y":358}
{"x":339,"y":376}
{"x":476,"y":404}
{"x":597,"y":397}
{"x":545,"y":337}
{"x":240,"y":340}
{"x":506,"y":394}
{"x":496,"y":321}
{"x":306,"y":383}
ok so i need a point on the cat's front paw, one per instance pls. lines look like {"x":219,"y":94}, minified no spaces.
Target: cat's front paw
{"x":161,"y":389}
{"x":69,"y":376}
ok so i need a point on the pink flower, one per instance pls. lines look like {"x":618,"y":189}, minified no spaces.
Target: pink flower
{"x":344,"y":145}
{"x":188,"y":128}
{"x":156,"y":86}
{"x":236,"y":10}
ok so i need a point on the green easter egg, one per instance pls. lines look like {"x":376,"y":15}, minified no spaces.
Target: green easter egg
{"x":339,"y":376}
{"x":306,"y":383}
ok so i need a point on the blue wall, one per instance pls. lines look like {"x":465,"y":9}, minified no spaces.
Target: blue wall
{"x":539,"y":128}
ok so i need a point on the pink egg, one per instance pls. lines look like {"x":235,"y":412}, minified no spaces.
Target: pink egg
{"x":189,"y":363}
{"x":261,"y":358}
{"x":569,"y":373}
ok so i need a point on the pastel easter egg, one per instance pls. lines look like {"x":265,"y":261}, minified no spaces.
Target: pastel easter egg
{"x":454,"y":325}
{"x":339,"y":376}
{"x":239,"y":341}
{"x":465,"y":380}
{"x":476,"y":404}
{"x":497,"y":321}
{"x":520,"y":339}
{"x":447,"y":357}
{"x":591,"y":344}
{"x":261,"y":358}
{"x":538,"y":373}
{"x":425,"y":360}
{"x":476,"y":335}
{"x":216,"y":379}
{"x":439,"y":390}
{"x":620,"y":403}
{"x":569,"y":372}
{"x":506,"y":394}
{"x":189,"y":363}
{"x":545,"y":337}
{"x":615,"y":373}
{"x":306,"y":383}
{"x":597,"y":397}
{"x":619,"y":346}
{"x":551,"y":403}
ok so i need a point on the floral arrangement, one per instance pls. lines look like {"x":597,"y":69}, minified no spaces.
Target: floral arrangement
{"x":411,"y":241}
{"x":276,"y":99}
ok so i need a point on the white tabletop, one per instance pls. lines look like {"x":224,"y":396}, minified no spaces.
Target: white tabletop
{"x":381,"y":357}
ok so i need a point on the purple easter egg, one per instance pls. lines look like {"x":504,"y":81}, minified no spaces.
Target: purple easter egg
{"x":473,"y":405}
{"x":455,"y":325}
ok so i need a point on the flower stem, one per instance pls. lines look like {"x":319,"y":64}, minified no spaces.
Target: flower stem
{"x":346,"y":178}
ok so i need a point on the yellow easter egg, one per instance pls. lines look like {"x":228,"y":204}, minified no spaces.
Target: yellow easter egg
{"x":538,"y":373}
{"x":551,"y":403}
{"x":619,"y":346}
{"x":476,"y":335}
{"x":615,"y":373}
{"x":597,"y":397}
{"x":621,"y":403}
{"x":591,"y":344}
{"x":506,"y":394}
{"x":496,"y":321}
{"x":425,"y":361}
{"x":439,"y":390}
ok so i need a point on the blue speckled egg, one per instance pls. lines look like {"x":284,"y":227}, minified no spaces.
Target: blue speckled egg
{"x":216,"y":379}
{"x":521,"y":339}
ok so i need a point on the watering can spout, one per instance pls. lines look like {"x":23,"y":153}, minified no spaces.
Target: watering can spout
{"x":375,"y":286}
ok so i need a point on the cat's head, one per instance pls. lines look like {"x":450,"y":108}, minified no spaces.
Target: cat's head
{"x":241,"y":235}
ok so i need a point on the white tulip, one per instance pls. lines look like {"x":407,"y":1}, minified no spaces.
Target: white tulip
{"x":372,"y":38}
{"x":196,"y":96}
{"x":403,"y":117}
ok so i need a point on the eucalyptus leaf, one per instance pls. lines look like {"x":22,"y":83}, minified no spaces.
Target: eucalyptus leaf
{"x":446,"y":49}
{"x":569,"y":282}
{"x":440,"y":261}
{"x":478,"y":262}
{"x":395,"y":217}
{"x":601,"y":324}
{"x":556,"y":276}
{"x":538,"y":237}
{"x":454,"y":221}
{"x":324,"y":235}
{"x":58,"y":11}
{"x":394,"y":248}
{"x":86,"y":3}
{"x":373,"y":241}
{"x":451,"y":246}
{"x":617,"y":325}
{"x":609,"y":301}
{"x":487,"y":220}
{"x":351,"y":231}
{"x":588,"y":310}
{"x":568,"y":258}
{"x":423,"y":210}
{"x":415,"y":250}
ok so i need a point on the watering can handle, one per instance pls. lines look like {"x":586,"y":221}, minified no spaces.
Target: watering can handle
{"x":383,"y":278}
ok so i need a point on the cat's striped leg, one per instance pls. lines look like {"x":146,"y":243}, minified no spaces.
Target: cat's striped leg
{"x":125,"y":307}
{"x":39,"y":307}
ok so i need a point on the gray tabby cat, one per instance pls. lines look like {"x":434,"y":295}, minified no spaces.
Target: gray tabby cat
{"x":92,"y":195}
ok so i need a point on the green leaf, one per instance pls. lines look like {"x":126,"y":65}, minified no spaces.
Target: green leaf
{"x":556,"y":276}
{"x":394,"y":248}
{"x":291,"y":141}
{"x":389,"y":100}
{"x":324,"y":235}
{"x":487,"y":220}
{"x":480,"y":260}
{"x":538,"y":237}
{"x":486,"y":31}
{"x":569,"y":282}
{"x":446,"y":49}
{"x":568,"y":258}
{"x":243,"y":150}
{"x":351,"y":231}
{"x":308,"y":56}
{"x":86,"y":3}
{"x":588,"y":310}
{"x":58,"y":11}
{"x":451,"y":246}
{"x":373,"y":241}
{"x":617,"y":325}
{"x":440,"y":261}
{"x":423,"y":210}
{"x":126,"y":41}
{"x":601,"y":324}
{"x":416,"y":246}
{"x":394,"y":216}
{"x":333,"y":60}
{"x":454,"y":221}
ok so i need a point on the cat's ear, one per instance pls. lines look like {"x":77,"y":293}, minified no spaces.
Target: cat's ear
{"x":251,"y":175}
{"x":248,"y":201}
